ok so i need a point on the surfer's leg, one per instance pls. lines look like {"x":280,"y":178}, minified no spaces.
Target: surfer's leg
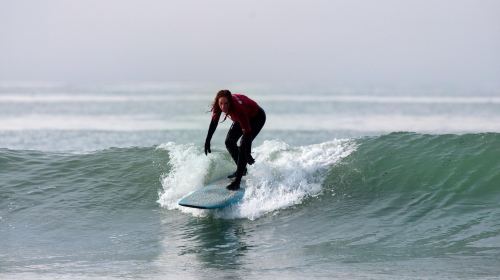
{"x":234,"y":185}
{"x":256,"y":123}
{"x":242,"y":162}
{"x":240,"y":170}
{"x":245,"y":149}
{"x":242,"y":157}
{"x":232,"y":137}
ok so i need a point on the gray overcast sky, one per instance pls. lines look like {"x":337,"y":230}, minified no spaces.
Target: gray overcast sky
{"x":351,"y":42}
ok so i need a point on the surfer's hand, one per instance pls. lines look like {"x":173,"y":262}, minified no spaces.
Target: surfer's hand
{"x":207,"y":147}
{"x":250,"y":159}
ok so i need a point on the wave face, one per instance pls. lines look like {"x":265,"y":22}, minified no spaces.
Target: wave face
{"x":108,"y":179}
{"x":400,"y":200}
{"x":433,"y":174}
{"x":432,"y":193}
{"x":439,"y":170}
{"x":408,"y":175}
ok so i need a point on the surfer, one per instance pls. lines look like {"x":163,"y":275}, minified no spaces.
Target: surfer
{"x":248,"y":119}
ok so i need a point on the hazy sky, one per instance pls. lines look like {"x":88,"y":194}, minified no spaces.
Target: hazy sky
{"x":351,"y":42}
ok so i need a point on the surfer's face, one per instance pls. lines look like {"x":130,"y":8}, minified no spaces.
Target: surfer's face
{"x":224,"y":104}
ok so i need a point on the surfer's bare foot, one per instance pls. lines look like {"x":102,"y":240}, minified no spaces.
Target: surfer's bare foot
{"x":235,"y":185}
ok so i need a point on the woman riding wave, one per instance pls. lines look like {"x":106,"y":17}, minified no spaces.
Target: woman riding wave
{"x":248,"y":119}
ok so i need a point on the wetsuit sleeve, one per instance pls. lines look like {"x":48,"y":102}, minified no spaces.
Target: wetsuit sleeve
{"x":212,"y":127}
{"x":211,"y":130}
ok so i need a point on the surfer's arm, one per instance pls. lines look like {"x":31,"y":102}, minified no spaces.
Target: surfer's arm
{"x":211,"y":130}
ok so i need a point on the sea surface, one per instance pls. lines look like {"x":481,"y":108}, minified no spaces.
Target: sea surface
{"x":347,"y":184}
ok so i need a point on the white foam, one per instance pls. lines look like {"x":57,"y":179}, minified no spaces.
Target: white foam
{"x":189,"y":170}
{"x":281,"y":177}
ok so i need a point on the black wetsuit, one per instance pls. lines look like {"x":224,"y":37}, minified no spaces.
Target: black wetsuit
{"x":248,"y":120}
{"x":244,"y":151}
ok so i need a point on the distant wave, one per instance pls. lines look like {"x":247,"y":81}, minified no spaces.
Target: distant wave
{"x":381,"y":123}
{"x":168,"y":97}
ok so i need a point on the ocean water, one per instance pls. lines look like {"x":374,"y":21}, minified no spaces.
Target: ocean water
{"x":347,"y":184}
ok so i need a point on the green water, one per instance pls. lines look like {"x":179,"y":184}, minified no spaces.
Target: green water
{"x":397,"y":206}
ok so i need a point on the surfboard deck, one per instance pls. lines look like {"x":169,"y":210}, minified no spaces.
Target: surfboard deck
{"x":213,"y":196}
